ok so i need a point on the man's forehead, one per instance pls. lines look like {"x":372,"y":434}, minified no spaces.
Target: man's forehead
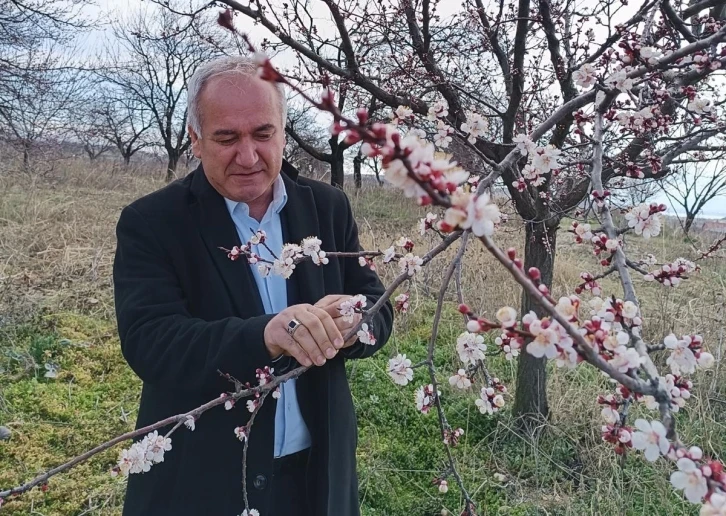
{"x":229,"y":131}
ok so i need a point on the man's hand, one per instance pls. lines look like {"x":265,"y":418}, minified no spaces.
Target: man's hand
{"x":331,"y":304}
{"x":316,"y":338}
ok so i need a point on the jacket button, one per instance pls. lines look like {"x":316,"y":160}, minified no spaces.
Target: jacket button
{"x":260,"y":482}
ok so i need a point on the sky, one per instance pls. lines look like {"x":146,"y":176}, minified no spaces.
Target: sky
{"x":110,"y":9}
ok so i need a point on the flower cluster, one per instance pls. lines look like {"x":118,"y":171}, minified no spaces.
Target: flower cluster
{"x":439,"y":110}
{"x":425,"y":398}
{"x":604,"y":245}
{"x":471,"y":211}
{"x":410,"y":162}
{"x":355,"y":305}
{"x":470,"y":347}
{"x":451,"y":437}
{"x":365,"y":335}
{"x":583,"y":232}
{"x":460,"y":380}
{"x":491,"y":398}
{"x":401,"y":301}
{"x":510,"y":343}
{"x":645,"y":219}
{"x":142,"y":455}
{"x":589,"y":284}
{"x":426,"y":223}
{"x":679,"y":389}
{"x":399,"y":369}
{"x":687,"y":354}
{"x":671,"y":274}
{"x":475,"y":126}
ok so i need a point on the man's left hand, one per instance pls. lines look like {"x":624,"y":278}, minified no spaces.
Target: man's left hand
{"x":331,"y":304}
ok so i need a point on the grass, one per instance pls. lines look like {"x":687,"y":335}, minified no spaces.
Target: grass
{"x":56,"y":251}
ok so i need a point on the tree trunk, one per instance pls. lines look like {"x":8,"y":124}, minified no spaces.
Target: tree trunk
{"x":690,"y":217}
{"x":171,"y":167}
{"x":26,"y":155}
{"x":357,"y":163}
{"x":530,"y":403}
{"x":336,"y":170}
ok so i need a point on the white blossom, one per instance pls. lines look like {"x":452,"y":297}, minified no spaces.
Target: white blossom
{"x":610,"y":415}
{"x":475,"y":126}
{"x":410,"y":264}
{"x":507,"y":316}
{"x":460,"y":380}
{"x":482,"y":214}
{"x":439,"y":110}
{"x":651,"y":438}
{"x":715,"y":506}
{"x":365,"y":335}
{"x":585,"y":76}
{"x":689,"y":478}
{"x":470,"y":347}
{"x":399,"y":369}
{"x":681,"y":360}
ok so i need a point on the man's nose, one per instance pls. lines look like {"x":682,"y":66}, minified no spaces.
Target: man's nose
{"x":246,"y":154}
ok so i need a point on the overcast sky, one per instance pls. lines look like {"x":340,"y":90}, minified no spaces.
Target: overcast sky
{"x":108,"y":10}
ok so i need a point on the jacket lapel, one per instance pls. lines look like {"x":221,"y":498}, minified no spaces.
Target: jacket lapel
{"x":217,"y":230}
{"x":300,"y":220}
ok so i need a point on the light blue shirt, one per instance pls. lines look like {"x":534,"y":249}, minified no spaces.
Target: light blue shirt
{"x":291,"y":433}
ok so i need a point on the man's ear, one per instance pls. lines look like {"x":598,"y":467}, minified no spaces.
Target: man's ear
{"x":196,"y":143}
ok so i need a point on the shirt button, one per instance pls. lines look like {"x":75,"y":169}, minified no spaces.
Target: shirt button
{"x":260,"y":482}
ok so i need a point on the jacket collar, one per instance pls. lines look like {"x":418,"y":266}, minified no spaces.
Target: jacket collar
{"x":299,"y":219}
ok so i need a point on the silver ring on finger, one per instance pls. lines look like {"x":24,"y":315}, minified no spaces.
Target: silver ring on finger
{"x":292,"y":326}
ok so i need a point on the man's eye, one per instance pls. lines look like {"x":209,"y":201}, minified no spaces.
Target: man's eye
{"x":226,"y":142}
{"x":264,"y":136}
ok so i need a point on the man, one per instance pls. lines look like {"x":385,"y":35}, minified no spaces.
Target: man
{"x":187,"y":312}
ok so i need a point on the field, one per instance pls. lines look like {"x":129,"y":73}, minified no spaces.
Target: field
{"x":65,"y":387}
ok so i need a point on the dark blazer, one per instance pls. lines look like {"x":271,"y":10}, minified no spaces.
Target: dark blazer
{"x":185,"y":311}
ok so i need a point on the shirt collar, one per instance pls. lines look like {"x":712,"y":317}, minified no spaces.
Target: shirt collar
{"x":279,"y":199}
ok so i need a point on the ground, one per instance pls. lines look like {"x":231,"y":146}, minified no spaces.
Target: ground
{"x":56,"y":315}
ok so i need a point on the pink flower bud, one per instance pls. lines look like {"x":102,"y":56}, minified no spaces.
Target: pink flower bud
{"x":464,"y":309}
{"x":362,"y":115}
{"x":512,"y":253}
{"x":534,"y":273}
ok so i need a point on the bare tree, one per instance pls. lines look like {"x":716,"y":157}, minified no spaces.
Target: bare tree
{"x":124,"y":122}
{"x":29,"y":25}
{"x":155,"y":58}
{"x":38,"y":106}
{"x":693,"y":185}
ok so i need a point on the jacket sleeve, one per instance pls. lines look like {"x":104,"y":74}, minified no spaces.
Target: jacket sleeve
{"x":160,"y":340}
{"x":363,"y":280}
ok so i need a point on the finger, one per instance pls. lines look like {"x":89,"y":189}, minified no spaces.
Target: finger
{"x":293,"y":348}
{"x":303,"y":335}
{"x":329,"y":332}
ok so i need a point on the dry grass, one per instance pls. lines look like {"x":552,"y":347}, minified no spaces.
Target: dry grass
{"x":56,"y":251}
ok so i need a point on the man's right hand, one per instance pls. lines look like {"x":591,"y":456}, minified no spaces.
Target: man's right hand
{"x":316,"y":339}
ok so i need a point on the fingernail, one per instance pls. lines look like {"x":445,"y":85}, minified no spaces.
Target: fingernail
{"x":330,"y":353}
{"x":321,"y":361}
{"x":307,"y":362}
{"x":338,"y":343}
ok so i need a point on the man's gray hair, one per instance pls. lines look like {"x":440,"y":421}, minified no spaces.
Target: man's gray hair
{"x":225,"y":65}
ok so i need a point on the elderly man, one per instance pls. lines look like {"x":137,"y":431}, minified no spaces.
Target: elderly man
{"x":186,"y":312}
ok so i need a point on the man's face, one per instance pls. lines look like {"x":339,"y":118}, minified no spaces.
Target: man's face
{"x":242,"y":138}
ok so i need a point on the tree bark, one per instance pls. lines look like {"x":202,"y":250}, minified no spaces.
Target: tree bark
{"x":357,"y":177}
{"x":337,"y":173}
{"x":530,"y":403}
{"x":690,"y":217}
{"x":26,"y":155}
{"x":171,"y":167}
